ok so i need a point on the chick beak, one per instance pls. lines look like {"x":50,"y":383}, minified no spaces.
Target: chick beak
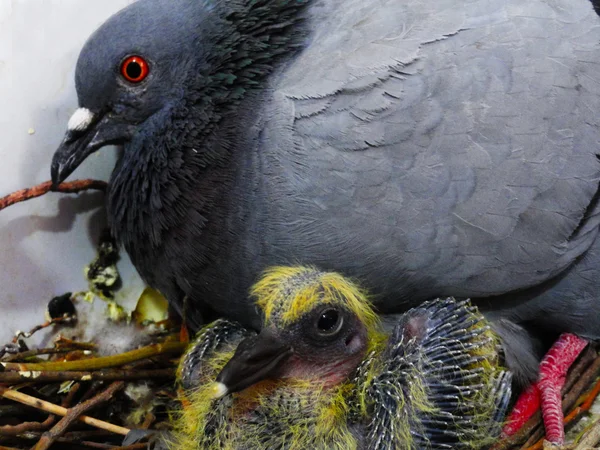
{"x":256,"y":358}
{"x":86,"y":133}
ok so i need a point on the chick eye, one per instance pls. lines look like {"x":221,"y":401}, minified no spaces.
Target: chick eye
{"x":135,"y":69}
{"x":329,"y":322}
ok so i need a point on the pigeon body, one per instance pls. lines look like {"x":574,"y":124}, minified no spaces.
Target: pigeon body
{"x":426,"y":148}
{"x":325,"y":376}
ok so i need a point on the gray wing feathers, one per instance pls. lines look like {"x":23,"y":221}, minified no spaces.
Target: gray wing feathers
{"x":478,"y":123}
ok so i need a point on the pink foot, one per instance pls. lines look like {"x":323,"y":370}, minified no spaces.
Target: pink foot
{"x":527,"y":404}
{"x":547,"y":391}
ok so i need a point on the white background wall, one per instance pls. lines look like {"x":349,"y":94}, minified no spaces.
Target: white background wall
{"x":45,"y":242}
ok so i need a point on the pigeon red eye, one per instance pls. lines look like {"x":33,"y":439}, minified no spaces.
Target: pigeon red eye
{"x":135,"y":69}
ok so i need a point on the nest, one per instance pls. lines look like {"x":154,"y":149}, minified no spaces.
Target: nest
{"x":71,"y":395}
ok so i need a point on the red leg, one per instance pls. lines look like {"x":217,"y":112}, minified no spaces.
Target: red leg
{"x":527,"y":404}
{"x":547,"y":391}
{"x":553,"y":373}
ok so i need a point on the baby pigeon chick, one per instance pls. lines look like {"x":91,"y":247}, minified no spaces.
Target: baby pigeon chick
{"x":322,"y":374}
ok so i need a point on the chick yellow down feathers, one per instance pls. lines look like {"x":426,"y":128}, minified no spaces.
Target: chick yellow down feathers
{"x":323,"y":374}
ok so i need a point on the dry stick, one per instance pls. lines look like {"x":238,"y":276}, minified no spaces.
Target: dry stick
{"x":30,"y":436}
{"x":104,"y":375}
{"x":590,"y":438}
{"x":140,"y":446}
{"x":148,"y":421}
{"x":583,"y":363}
{"x":85,"y":435}
{"x":59,"y":410}
{"x":63,"y":342}
{"x":72,"y":436}
{"x":37,"y":352}
{"x":39,"y":426}
{"x":55,"y":321}
{"x":70,"y":187}
{"x":90,"y":444}
{"x":101,"y":362}
{"x":75,"y":413}
{"x":15,"y":430}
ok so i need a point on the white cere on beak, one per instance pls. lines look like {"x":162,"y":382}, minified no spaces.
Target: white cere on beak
{"x":219,"y":390}
{"x":80,"y":120}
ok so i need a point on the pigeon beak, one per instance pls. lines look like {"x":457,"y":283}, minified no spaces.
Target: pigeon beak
{"x":86,"y":133}
{"x":256,"y":358}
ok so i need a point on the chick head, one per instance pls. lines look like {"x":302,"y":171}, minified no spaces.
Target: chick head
{"x":318,"y":326}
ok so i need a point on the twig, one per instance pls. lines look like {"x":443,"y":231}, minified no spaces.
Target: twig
{"x":590,"y":438}
{"x":68,"y":439}
{"x":89,"y":444}
{"x":101,"y":362}
{"x":63,"y":342}
{"x":140,"y":446}
{"x":87,"y":434}
{"x":148,"y":421}
{"x":36,"y":352}
{"x":14,"y":430}
{"x":55,"y":321}
{"x":76,"y":413}
{"x":59,"y":410}
{"x":70,"y":187}
{"x":104,"y":375}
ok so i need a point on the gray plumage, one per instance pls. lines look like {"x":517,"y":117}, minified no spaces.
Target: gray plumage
{"x":425,"y":147}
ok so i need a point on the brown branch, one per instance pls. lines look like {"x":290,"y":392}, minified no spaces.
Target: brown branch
{"x":15,"y":430}
{"x":36,"y":352}
{"x":55,"y":321}
{"x":104,"y":375}
{"x":63,"y":342}
{"x":89,"y":444}
{"x":148,"y":421}
{"x":69,"y":187}
{"x":140,"y":446}
{"x":67,"y":439}
{"x":61,"y":411}
{"x":76,"y":413}
{"x":101,"y":362}
{"x":590,"y":438}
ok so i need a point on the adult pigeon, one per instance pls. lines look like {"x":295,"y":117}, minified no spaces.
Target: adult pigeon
{"x":322,"y":374}
{"x":427,"y":148}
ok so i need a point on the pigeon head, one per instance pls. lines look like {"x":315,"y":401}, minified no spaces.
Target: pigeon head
{"x":318,"y":326}
{"x":133,"y":66}
{"x":159,"y":56}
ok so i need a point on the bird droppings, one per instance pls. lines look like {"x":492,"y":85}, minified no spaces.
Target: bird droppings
{"x":29,"y":374}
{"x":31,"y":131}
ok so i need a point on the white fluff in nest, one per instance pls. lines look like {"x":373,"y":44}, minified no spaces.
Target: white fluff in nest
{"x":94,"y":325}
